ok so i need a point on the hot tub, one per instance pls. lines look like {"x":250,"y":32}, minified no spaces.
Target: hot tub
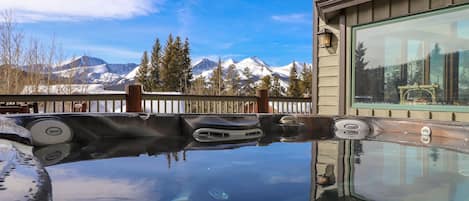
{"x":225,"y":157}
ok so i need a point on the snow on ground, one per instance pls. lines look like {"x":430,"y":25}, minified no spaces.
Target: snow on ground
{"x":67,"y":89}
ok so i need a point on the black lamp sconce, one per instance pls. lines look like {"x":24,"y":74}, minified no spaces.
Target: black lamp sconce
{"x":325,"y":38}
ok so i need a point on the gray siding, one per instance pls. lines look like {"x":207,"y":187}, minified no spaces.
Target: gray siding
{"x":328,"y":72}
{"x":329,"y":59}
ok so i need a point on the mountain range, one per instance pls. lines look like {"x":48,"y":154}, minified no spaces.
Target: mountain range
{"x":87,"y":69}
{"x":257,"y":66}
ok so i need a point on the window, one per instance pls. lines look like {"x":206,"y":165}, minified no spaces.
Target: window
{"x":418,"y":61}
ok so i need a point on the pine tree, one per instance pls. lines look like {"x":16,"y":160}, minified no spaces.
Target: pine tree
{"x":177,"y":71}
{"x":360,"y":72}
{"x":175,"y":66}
{"x":187,"y":69}
{"x":155,"y":66}
{"x":199,"y":86}
{"x":307,"y":80}
{"x":233,"y":81}
{"x":277,"y":89}
{"x":249,"y":85}
{"x":167,"y":64}
{"x":294,"y":85}
{"x":266,"y":82}
{"x":216,"y":81}
{"x":142,"y":73}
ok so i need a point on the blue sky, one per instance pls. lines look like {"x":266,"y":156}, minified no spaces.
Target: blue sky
{"x":118,"y":31}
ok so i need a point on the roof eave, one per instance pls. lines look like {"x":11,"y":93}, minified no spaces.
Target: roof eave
{"x":328,"y":8}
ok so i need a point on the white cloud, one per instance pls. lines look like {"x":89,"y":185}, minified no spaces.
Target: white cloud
{"x":185,"y":17}
{"x":287,"y":179}
{"x":75,"y":10}
{"x":69,"y":184}
{"x":293,"y":18}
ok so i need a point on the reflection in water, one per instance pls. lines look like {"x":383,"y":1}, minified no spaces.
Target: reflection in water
{"x":246,"y":173}
{"x":147,"y":160}
{"x":434,"y":155}
{"x":384,"y":171}
{"x":390,"y":172}
{"x":175,"y":156}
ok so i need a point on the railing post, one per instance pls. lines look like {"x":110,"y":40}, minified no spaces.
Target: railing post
{"x":133,"y":98}
{"x":262,"y":101}
{"x":35,"y":107}
{"x":84,"y":106}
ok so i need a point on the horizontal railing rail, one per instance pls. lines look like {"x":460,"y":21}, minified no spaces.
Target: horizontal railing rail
{"x":159,"y":103}
{"x":61,"y":97}
{"x":199,"y":97}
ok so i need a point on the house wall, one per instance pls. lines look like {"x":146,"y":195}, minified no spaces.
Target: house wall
{"x":328,"y":72}
{"x":329,"y":60}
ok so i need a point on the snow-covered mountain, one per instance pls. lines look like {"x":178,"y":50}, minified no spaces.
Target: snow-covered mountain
{"x":258,"y":68}
{"x":203,"y":65}
{"x":284,"y":71}
{"x":86,"y":69}
{"x":92,"y":70}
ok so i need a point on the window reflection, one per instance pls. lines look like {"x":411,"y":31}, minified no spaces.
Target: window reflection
{"x":420,"y":60}
{"x":371,"y":170}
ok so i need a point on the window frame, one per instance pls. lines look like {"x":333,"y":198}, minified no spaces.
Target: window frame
{"x":388,"y":106}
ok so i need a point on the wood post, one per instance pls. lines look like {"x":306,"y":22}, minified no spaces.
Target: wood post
{"x":84,"y":106}
{"x":35,"y":107}
{"x":262,"y":101}
{"x":133,"y":98}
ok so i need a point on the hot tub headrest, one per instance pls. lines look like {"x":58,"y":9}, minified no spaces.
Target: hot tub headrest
{"x":222,"y":122}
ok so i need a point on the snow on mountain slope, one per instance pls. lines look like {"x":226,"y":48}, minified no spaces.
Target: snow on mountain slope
{"x":252,"y":61}
{"x":81,"y":61}
{"x":257,"y":67}
{"x":86,"y":69}
{"x":92,"y":62}
{"x":203,"y":65}
{"x":227,"y":63}
{"x":67,"y":72}
{"x":131,"y":75}
{"x":121,"y":68}
{"x":284,"y":71}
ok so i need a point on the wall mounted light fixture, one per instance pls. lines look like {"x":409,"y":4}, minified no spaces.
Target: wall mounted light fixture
{"x":325,"y":38}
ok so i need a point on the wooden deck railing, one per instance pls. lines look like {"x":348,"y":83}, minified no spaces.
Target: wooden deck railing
{"x":291,"y":105}
{"x":69,"y":103}
{"x":156,"y":103}
{"x":160,"y":103}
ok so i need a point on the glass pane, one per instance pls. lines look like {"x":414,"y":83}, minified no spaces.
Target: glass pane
{"x":415,"y":61}
{"x":437,"y":63}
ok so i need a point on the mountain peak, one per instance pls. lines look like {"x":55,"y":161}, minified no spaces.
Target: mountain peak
{"x":203,"y":65}
{"x":228,"y":62}
{"x":205,"y":59}
{"x":254,"y":60}
{"x":201,"y":61}
{"x":82,"y":61}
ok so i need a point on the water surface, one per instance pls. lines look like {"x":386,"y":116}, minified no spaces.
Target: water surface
{"x":311,"y":170}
